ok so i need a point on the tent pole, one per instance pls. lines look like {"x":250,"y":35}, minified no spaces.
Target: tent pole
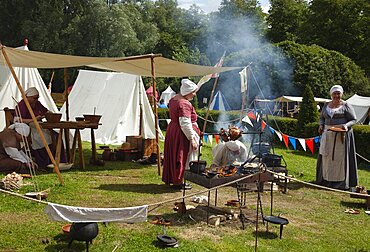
{"x":155,"y":115}
{"x":38,"y":128}
{"x":66,"y":92}
{"x":209,"y":104}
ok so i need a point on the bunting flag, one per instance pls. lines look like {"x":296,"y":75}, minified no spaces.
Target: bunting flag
{"x":217,"y":138}
{"x":207,"y":77}
{"x":292,"y":140}
{"x":210,"y":139}
{"x":309,"y":143}
{"x":279,"y":135}
{"x":247,"y":120}
{"x":263,"y":125}
{"x":251,"y":115}
{"x":285,"y":138}
{"x":317,"y":139}
{"x":302,"y":142}
{"x":258,"y":117}
{"x":205,"y":137}
{"x":243,"y":80}
{"x":168,"y":121}
{"x":219,"y":64}
{"x":272,"y":130}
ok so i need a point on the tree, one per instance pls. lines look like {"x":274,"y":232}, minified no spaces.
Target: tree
{"x":287,"y":19}
{"x":308,"y":112}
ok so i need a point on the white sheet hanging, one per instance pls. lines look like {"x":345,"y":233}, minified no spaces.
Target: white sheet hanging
{"x":58,"y":212}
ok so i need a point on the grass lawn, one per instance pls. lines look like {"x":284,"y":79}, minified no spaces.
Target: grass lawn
{"x":317,"y":218}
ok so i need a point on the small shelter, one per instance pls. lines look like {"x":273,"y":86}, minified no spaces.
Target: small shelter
{"x":28,"y":77}
{"x":120,"y":99}
{"x":167,"y":95}
{"x":219,"y":102}
{"x":361,"y":105}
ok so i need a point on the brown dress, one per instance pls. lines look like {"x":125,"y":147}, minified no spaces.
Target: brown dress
{"x":7,"y":165}
{"x":176,"y":145}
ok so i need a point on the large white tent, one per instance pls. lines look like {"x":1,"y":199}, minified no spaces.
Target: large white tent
{"x":361,"y":105}
{"x":120,"y":99}
{"x":28,"y":77}
{"x":167,"y":95}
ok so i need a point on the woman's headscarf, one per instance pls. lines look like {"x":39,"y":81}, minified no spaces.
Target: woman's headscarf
{"x":187,"y":87}
{"x":336,"y":88}
{"x":21,"y":128}
{"x":32,"y":91}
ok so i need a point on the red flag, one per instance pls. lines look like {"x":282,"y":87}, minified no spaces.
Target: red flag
{"x":285,"y":138}
{"x":309,"y":143}
{"x":219,"y":64}
{"x":251,"y":115}
{"x":263,"y":125}
{"x":217,"y":138}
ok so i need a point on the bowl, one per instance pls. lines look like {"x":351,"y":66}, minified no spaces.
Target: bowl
{"x":92,"y":118}
{"x":66,"y":228}
{"x":62,"y":166}
{"x":53,"y":117}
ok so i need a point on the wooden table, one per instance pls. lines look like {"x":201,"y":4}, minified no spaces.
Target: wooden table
{"x":71,"y":152}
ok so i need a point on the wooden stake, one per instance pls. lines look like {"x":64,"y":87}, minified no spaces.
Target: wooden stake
{"x":156,"y":115}
{"x":38,"y":128}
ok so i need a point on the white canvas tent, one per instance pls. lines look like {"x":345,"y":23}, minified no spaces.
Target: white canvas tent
{"x":219,"y":102}
{"x":361,"y":105}
{"x":117,"y":97}
{"x":28,"y":77}
{"x":167,"y":95}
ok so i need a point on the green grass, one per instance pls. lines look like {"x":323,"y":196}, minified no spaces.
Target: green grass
{"x":317,"y":218}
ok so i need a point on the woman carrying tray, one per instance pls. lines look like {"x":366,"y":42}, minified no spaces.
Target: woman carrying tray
{"x":336,"y":163}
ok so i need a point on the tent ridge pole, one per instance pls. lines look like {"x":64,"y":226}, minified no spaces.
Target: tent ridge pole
{"x":38,"y":128}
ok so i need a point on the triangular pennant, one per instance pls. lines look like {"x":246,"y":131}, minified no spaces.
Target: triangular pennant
{"x":217,"y":138}
{"x":205,"y":137}
{"x":258,"y":117}
{"x":168,"y":121}
{"x":247,"y":120}
{"x":263,"y":125}
{"x":317,"y":139}
{"x":309,"y":143}
{"x":210,"y":137}
{"x":271,"y":129}
{"x":302,"y":142}
{"x":285,"y":138}
{"x":292,"y":140}
{"x":251,"y":115}
{"x":279,"y":135}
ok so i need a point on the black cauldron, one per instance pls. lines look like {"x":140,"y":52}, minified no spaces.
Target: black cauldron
{"x":271,"y":160}
{"x":198,"y":166}
{"x":83,"y":232}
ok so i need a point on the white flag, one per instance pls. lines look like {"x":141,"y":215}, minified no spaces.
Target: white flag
{"x":243,"y":80}
{"x":303,"y":143}
{"x":279,"y":135}
{"x":207,"y":77}
{"x":247,"y":120}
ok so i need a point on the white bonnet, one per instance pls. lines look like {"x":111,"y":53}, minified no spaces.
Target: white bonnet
{"x":32,"y":91}
{"x":187,"y":87}
{"x":21,"y":128}
{"x":336,"y":88}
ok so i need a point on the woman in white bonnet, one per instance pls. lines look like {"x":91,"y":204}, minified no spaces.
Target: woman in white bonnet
{"x":182,"y":135}
{"x":336,"y":162}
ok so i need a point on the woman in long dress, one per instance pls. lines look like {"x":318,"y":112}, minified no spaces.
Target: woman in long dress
{"x":336,"y":163}
{"x":182,"y":135}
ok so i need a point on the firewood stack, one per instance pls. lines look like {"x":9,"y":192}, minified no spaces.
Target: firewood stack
{"x":12,"y":181}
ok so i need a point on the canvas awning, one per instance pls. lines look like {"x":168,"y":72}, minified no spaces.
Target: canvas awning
{"x":137,"y":65}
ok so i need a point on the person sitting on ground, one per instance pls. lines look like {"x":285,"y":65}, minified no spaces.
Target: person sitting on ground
{"x":24,"y":116}
{"x":162,"y":104}
{"x":231,"y":151}
{"x":12,"y":157}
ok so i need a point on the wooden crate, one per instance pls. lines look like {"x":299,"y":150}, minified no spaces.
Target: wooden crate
{"x":145,"y":146}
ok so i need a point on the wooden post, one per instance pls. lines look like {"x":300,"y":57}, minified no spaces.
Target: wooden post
{"x":67,"y":150}
{"x":38,"y":128}
{"x":156,"y":115}
{"x":209,"y":104}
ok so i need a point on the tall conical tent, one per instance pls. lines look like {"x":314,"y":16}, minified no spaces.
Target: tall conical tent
{"x":219,"y":102}
{"x":167,"y":95}
{"x":28,"y":77}
{"x":121,"y":100}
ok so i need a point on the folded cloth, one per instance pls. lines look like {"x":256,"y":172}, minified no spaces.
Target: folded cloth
{"x":58,"y":212}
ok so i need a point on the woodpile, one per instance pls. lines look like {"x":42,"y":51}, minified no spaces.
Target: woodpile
{"x":12,"y":181}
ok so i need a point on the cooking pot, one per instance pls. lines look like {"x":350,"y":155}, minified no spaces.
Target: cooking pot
{"x":271,"y":160}
{"x":83,"y":232}
{"x":198,"y":166}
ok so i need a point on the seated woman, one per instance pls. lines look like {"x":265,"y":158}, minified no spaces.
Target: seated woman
{"x":12,"y":157}
{"x":24,"y":116}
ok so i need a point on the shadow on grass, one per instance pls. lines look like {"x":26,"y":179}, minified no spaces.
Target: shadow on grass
{"x":62,"y":244}
{"x":354,"y":205}
{"x":139,"y":188}
{"x":265,"y":235}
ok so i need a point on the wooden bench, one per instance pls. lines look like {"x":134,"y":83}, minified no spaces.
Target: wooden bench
{"x":9,"y":116}
{"x":362,"y":196}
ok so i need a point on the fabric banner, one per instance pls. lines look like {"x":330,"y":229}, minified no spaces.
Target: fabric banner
{"x":263,"y":125}
{"x":210,"y":139}
{"x":243,"y":80}
{"x":272,"y":130}
{"x":205,"y":137}
{"x":65,"y":213}
{"x":247,"y":120}
{"x":217,"y":138}
{"x":309,"y":143}
{"x":251,"y":115}
{"x":279,"y":135}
